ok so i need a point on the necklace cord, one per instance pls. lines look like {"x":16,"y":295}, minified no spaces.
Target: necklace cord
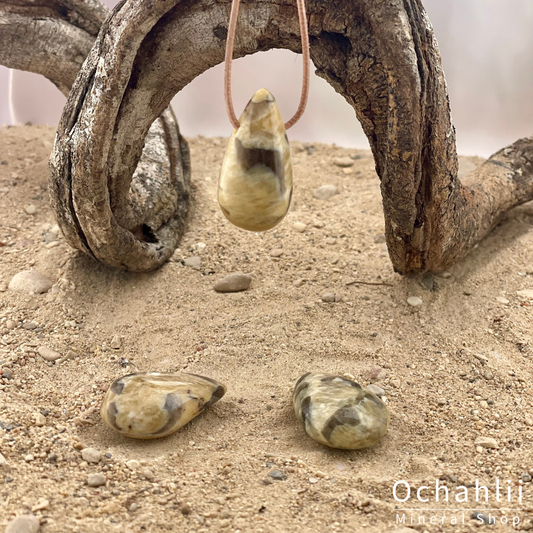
{"x":230,"y":42}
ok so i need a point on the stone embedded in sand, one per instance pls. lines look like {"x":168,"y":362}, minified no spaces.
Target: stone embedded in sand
{"x":26,"y":523}
{"x":30,"y":281}
{"x":338,"y":412}
{"x":238,"y":281}
{"x":255,"y":185}
{"x":47,"y":354}
{"x":343,"y":162}
{"x":148,"y":405}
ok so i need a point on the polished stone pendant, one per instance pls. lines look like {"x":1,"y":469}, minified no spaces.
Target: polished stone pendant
{"x":148,"y":405}
{"x":255,"y":186}
{"x":338,"y":412}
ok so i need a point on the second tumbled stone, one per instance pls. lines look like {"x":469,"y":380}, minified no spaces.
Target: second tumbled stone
{"x":338,"y":412}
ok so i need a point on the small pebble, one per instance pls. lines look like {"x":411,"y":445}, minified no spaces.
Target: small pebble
{"x":29,"y":458}
{"x":40,"y":420}
{"x":11,"y":324}
{"x":380,"y":239}
{"x":277,"y":252}
{"x":486,"y":442}
{"x":428,"y":282}
{"x":30,"y":281}
{"x":91,"y":455}
{"x":378,"y":391}
{"x":26,"y":523}
{"x":96,"y":480}
{"x":200,"y":246}
{"x":277,"y":475}
{"x":526,"y":478}
{"x":238,"y":281}
{"x":318,"y":224}
{"x":298,"y":282}
{"x":40,"y":505}
{"x":502,"y":300}
{"x":378,"y":374}
{"x":47,"y":354}
{"x":193,"y":262}
{"x":325,"y":192}
{"x":132,"y":464}
{"x":313,"y":480}
{"x":3,"y":286}
{"x":6,"y":374}
{"x":185,"y":509}
{"x":147,"y":473}
{"x":299,"y":227}
{"x":116,"y":342}
{"x":30,"y":209}
{"x":3,"y":461}
{"x":267,"y":481}
{"x":526,"y":294}
{"x":477,"y":515}
{"x":331,"y":240}
{"x":414,"y":301}
{"x":331,"y":297}
{"x":343,"y":162}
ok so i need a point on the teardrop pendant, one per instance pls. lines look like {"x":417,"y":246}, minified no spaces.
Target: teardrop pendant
{"x":255,"y":185}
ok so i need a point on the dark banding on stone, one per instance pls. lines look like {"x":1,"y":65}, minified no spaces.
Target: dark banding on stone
{"x":112,"y":413}
{"x":217,"y":394}
{"x":117,"y":386}
{"x":353,"y":384}
{"x":373,"y":398}
{"x":175,"y":410}
{"x":343,"y":417}
{"x":305,"y":408}
{"x":272,"y":159}
{"x":301,"y":385}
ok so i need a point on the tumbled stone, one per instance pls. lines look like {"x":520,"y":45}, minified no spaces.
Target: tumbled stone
{"x":30,"y":281}
{"x":193,"y":262}
{"x":414,"y":301}
{"x":148,"y":405}
{"x":91,"y":455}
{"x":238,"y":281}
{"x":255,"y":186}
{"x":338,"y":412}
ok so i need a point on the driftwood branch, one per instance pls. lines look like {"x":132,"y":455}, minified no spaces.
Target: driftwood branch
{"x":380,"y":55}
{"x":53,"y":38}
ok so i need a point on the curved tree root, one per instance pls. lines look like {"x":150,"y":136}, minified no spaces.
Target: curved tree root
{"x":53,"y":38}
{"x":381,"y":56}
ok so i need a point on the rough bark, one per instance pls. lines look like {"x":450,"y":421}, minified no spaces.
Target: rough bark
{"x":53,"y":38}
{"x":380,"y":55}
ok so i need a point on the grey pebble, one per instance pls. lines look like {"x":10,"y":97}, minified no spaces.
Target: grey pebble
{"x":378,"y":391}
{"x":30,"y":281}
{"x":428,"y":282}
{"x":49,"y":237}
{"x":331,"y":297}
{"x":477,"y":515}
{"x":91,"y":455}
{"x":278,"y":475}
{"x":193,"y":262}
{"x":47,"y":354}
{"x":96,"y":480}
{"x":526,"y":478}
{"x":379,"y":239}
{"x":343,"y":162}
{"x":30,"y":325}
{"x":325,"y":192}
{"x":6,"y":374}
{"x":238,"y":281}
{"x":26,"y":523}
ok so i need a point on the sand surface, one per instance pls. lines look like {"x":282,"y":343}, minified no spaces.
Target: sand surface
{"x":456,"y":369}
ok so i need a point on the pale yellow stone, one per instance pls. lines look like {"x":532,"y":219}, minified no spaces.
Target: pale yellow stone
{"x":148,"y":405}
{"x":255,"y":186}
{"x":338,"y":412}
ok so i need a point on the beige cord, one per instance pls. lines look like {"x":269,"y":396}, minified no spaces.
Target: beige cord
{"x":229,"y":56}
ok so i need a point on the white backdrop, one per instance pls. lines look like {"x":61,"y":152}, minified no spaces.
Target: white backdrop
{"x":487,"y":52}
